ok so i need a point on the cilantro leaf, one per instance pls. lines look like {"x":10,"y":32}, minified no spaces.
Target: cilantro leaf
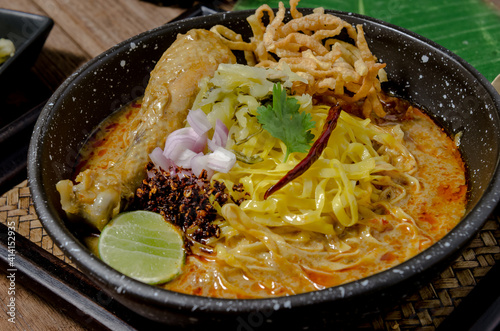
{"x":284,"y":121}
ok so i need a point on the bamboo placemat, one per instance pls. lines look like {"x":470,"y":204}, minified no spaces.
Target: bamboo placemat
{"x":425,"y":309}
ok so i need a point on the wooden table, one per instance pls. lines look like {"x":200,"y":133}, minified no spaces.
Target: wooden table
{"x":82,"y":30}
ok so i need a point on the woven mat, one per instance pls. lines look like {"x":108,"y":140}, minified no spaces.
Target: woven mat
{"x":424,"y":310}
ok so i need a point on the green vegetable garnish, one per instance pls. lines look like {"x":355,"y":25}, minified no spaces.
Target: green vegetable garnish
{"x":284,"y":121}
{"x":247,"y":159}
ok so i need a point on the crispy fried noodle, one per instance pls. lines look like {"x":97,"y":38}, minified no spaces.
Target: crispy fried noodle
{"x":308,"y":45}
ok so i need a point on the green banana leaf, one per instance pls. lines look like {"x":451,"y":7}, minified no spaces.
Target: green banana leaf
{"x":469,"y":28}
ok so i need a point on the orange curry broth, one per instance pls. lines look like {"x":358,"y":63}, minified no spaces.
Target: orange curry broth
{"x":436,"y":208}
{"x":109,"y":140}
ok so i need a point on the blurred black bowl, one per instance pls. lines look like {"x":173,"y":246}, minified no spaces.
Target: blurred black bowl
{"x":419,"y":70}
{"x":28,"y":32}
{"x":21,"y":91}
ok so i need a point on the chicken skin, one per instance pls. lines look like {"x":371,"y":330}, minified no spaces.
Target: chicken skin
{"x":98,"y":195}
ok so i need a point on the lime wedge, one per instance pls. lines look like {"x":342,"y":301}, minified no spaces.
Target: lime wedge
{"x":142,"y":245}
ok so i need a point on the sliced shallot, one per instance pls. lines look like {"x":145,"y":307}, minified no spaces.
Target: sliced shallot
{"x":184,"y":147}
{"x":199,"y":121}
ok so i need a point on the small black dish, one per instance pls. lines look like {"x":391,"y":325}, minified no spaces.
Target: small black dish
{"x":22,"y":93}
{"x":28,"y":32}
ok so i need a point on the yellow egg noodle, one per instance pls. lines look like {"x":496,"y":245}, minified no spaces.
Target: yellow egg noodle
{"x":350,"y":183}
{"x":346,"y":217}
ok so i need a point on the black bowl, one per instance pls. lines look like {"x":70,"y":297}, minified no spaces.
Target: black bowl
{"x":419,"y":70}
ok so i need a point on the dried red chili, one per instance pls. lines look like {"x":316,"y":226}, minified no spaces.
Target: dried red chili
{"x":314,"y":153}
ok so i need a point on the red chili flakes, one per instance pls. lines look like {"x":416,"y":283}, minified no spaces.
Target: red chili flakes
{"x":389,"y":256}
{"x":184,"y":201}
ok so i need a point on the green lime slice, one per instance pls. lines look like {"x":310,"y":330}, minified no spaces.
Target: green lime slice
{"x":142,"y":245}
